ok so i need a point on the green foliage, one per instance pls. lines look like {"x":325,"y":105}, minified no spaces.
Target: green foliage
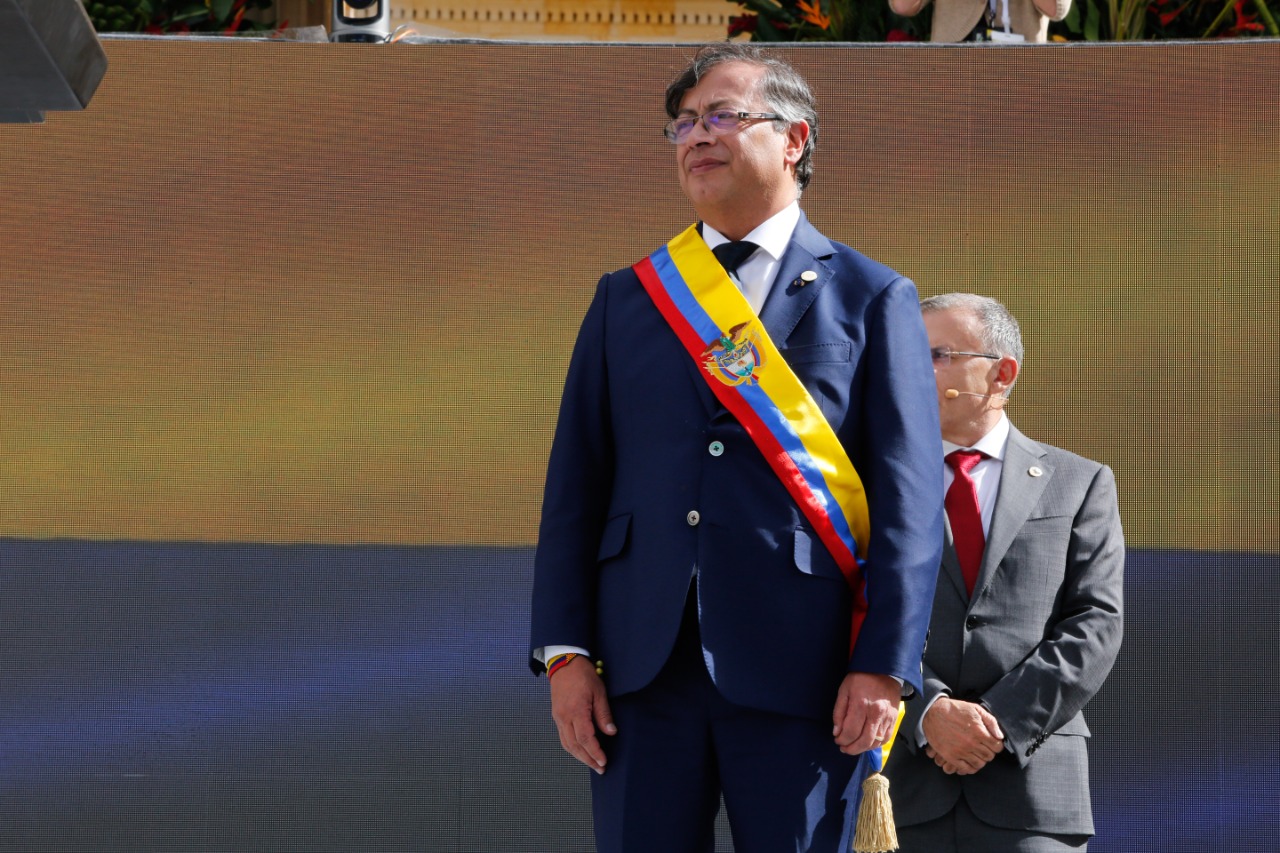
{"x":1119,"y":20}
{"x":177,"y":16}
{"x":826,"y":20}
{"x":1089,"y":20}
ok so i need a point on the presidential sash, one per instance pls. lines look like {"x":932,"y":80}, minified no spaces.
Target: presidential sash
{"x":869,"y":825}
{"x":748,"y":375}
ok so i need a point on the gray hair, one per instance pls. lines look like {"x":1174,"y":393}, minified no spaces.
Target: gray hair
{"x":782,"y":87}
{"x":999,"y":330}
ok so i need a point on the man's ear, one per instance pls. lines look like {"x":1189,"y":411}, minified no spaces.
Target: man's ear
{"x":1006,"y":371}
{"x":797,"y":138}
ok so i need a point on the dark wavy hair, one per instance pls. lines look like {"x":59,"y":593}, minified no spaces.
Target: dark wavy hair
{"x":782,"y":87}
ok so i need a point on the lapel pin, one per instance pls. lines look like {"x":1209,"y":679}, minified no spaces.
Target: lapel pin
{"x":1034,"y":471}
{"x":805,"y":278}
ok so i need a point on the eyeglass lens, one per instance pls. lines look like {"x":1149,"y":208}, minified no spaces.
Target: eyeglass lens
{"x":718,"y":122}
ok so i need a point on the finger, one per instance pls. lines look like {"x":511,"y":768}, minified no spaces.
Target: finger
{"x":864,"y":742}
{"x":604,"y":716}
{"x":990,"y":724}
{"x":568,"y":740}
{"x":995,"y":747}
{"x":851,"y":727}
{"x":991,"y":731}
{"x":838,"y":714}
{"x":854,"y":735}
{"x":577,"y":736}
{"x":587,"y":748}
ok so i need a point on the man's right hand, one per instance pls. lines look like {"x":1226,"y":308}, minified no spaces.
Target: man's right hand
{"x":580,"y":708}
{"x":963,"y":736}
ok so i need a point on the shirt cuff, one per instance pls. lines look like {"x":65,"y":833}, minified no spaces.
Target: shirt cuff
{"x":546,"y":653}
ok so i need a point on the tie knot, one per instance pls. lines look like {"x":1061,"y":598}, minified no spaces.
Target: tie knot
{"x":732,"y":255}
{"x":964,"y":460}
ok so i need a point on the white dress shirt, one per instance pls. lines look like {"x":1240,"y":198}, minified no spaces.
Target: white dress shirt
{"x":756,"y":274}
{"x":986,"y":476}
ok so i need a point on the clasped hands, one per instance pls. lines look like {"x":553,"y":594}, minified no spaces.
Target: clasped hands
{"x":963,"y":736}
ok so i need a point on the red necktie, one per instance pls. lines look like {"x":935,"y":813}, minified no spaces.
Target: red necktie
{"x":965,"y":516}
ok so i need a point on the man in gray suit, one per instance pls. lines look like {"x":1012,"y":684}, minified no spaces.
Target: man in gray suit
{"x":1026,"y":620}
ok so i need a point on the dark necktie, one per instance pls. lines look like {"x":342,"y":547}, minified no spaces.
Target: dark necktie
{"x":965,"y":515}
{"x":732,"y":255}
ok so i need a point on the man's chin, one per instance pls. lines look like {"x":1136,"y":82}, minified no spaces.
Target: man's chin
{"x":707,"y":201}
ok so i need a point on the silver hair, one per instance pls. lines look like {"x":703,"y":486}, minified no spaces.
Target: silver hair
{"x":998,"y":329}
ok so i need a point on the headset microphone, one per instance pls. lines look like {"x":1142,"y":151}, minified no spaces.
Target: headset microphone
{"x":952,"y":393}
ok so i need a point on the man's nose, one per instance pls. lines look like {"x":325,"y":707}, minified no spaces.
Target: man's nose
{"x":701,"y":133}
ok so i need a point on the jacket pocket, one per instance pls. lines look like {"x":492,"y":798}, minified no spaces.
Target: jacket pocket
{"x":838,"y":352}
{"x":613,"y":539}
{"x":813,"y":558}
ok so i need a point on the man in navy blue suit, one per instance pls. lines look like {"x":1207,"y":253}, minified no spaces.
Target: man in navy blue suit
{"x":703,"y":632}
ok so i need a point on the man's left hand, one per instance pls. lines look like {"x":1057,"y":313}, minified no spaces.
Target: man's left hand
{"x":866,"y":709}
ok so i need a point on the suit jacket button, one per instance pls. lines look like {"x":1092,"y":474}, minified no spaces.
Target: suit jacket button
{"x":693,"y":518}
{"x":715,"y":448}
{"x":972,"y":622}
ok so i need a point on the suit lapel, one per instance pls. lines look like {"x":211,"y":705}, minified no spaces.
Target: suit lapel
{"x":951,"y":563}
{"x":788,"y":300}
{"x":1022,"y":481}
{"x":791,"y":295}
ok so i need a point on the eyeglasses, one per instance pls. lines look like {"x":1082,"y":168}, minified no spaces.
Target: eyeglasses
{"x":941,"y":355}
{"x":716,"y":122}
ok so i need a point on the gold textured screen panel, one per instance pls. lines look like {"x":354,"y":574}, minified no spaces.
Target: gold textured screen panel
{"x":326,"y":293}
{"x":570,"y":20}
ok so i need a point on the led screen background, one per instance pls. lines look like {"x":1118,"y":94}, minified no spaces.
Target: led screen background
{"x":282,"y":333}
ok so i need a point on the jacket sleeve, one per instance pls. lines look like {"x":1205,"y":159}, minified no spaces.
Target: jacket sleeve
{"x":576,"y":496}
{"x":899,"y":461}
{"x":1064,"y":671}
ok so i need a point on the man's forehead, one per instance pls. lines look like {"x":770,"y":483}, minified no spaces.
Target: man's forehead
{"x":953,"y":322}
{"x":717,"y":104}
{"x":731,"y":84}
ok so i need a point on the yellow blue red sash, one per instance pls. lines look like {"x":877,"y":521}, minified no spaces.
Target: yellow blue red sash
{"x":862,"y":823}
{"x":748,"y":375}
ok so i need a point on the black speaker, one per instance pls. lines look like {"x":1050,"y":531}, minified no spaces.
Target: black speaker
{"x":360,"y":21}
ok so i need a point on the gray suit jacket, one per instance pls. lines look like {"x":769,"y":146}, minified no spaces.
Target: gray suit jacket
{"x":1033,"y":646}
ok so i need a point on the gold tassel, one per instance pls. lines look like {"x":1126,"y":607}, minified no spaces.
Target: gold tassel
{"x":875,"y":832}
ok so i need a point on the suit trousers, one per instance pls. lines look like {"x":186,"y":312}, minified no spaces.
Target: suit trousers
{"x":961,"y":831}
{"x":681,"y":745}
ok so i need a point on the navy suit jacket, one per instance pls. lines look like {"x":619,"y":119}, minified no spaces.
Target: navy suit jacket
{"x":637,"y":498}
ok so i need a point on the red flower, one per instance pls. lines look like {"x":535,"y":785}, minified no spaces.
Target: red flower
{"x":1244,"y":23}
{"x":1165,"y":17}
{"x":742,"y":24}
{"x":239,"y":7}
{"x":811,"y":13}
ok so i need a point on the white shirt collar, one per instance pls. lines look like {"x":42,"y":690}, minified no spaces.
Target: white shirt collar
{"x":773,"y":235}
{"x":993,"y":443}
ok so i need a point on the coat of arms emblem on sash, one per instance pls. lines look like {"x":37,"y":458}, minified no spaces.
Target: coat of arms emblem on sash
{"x":734,"y":357}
